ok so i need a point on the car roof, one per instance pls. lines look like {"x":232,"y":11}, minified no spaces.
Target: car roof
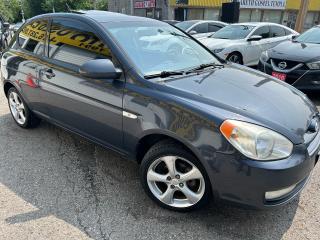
{"x":99,"y":16}
{"x":257,"y":24}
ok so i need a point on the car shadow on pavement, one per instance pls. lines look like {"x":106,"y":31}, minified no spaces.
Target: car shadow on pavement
{"x":99,"y":192}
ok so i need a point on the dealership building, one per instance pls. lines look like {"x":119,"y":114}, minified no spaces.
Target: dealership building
{"x":278,"y":11}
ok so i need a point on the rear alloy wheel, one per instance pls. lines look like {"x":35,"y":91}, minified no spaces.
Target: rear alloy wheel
{"x":20,"y":111}
{"x":174,"y":178}
{"x":235,"y":58}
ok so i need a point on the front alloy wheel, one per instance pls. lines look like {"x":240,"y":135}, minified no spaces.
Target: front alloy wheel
{"x":174,"y":178}
{"x":235,"y":58}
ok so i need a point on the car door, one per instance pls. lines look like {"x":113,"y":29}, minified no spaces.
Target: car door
{"x":255,"y":48}
{"x":278,"y":35}
{"x":25,"y":59}
{"x":90,"y":107}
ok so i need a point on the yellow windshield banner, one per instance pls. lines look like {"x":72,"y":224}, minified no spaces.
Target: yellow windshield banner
{"x":60,"y":35}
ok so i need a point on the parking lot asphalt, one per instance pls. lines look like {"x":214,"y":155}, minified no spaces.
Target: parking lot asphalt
{"x":55,"y":185}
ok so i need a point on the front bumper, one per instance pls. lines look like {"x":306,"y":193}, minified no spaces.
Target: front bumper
{"x":246,"y":182}
{"x":302,"y":78}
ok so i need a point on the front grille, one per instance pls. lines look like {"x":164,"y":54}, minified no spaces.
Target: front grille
{"x":290,"y":64}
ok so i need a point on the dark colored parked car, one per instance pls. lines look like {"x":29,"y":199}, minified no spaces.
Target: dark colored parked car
{"x":296,"y":62}
{"x":198,"y":127}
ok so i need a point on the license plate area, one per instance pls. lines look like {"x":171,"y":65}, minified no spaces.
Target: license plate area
{"x":280,"y":76}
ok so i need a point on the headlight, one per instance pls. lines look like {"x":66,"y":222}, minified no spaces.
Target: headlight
{"x":217,"y":50}
{"x":256,"y":142}
{"x":314,"y":65}
{"x":264,"y":56}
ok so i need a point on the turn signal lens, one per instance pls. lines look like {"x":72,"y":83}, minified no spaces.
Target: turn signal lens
{"x":256,"y":142}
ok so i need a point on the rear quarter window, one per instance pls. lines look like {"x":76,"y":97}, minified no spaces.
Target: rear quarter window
{"x":277,"y":31}
{"x":32,"y":37}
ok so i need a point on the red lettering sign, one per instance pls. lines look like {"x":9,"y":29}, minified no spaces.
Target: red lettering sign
{"x":145,"y":4}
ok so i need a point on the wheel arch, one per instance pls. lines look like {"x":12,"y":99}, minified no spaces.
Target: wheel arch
{"x":7,"y":86}
{"x":150,"y":138}
{"x":237,"y":52}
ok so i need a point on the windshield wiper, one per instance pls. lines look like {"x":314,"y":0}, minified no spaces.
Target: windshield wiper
{"x":204,"y":66}
{"x":164,"y":74}
{"x":179,"y":35}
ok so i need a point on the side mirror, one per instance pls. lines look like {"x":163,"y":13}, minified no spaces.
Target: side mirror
{"x":254,"y":38}
{"x":294,"y":37}
{"x":6,"y":25}
{"x":192,"y":32}
{"x":100,"y":69}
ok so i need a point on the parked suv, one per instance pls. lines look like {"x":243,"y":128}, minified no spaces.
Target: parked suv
{"x":198,"y":127}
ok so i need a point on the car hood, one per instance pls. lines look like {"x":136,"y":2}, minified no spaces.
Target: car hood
{"x":294,"y":51}
{"x":246,"y":94}
{"x":215,"y":43}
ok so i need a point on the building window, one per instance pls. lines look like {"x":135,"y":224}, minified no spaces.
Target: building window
{"x":245,"y":15}
{"x":211,"y":14}
{"x":256,"y":15}
{"x":311,"y":20}
{"x":289,"y":19}
{"x":195,"y":14}
{"x":272,"y":16}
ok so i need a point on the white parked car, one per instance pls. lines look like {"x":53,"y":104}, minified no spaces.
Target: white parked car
{"x":201,"y":28}
{"x":243,"y":43}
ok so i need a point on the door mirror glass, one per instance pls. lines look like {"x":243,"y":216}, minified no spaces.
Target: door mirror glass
{"x":100,"y":69}
{"x":6,"y":25}
{"x":192,"y":32}
{"x":254,"y":38}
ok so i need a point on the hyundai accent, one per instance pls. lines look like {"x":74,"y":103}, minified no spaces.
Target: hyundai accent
{"x":200,"y":128}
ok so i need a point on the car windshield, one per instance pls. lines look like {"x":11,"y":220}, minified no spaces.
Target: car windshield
{"x":310,"y":36}
{"x":185,"y":25}
{"x":155,"y":47}
{"x":233,"y":32}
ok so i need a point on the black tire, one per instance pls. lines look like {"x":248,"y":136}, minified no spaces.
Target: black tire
{"x":235,"y":55}
{"x":32,"y":120}
{"x":172,"y":148}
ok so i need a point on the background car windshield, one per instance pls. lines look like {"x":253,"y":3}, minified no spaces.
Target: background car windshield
{"x":186,"y":24}
{"x":310,"y":36}
{"x":233,"y":32}
{"x":156,"y":47}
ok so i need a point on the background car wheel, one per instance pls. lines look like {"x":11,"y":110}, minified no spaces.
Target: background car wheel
{"x":174,"y":178}
{"x":235,"y":58}
{"x":20,"y":111}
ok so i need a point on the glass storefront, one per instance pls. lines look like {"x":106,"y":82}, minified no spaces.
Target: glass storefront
{"x":212,"y":14}
{"x":211,"y":10}
{"x":273,"y":16}
{"x":195,"y":14}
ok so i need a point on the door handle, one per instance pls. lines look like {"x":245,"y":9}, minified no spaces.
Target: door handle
{"x":48,"y":73}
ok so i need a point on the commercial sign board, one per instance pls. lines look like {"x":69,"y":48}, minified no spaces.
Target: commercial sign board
{"x":145,"y":4}
{"x":263,"y":4}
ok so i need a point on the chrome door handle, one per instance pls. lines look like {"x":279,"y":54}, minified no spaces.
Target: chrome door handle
{"x":48,"y":73}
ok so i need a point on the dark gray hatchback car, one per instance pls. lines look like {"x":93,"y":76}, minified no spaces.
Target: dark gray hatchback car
{"x":199,"y":127}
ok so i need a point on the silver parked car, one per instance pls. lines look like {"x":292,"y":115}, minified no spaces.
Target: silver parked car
{"x":199,"y":28}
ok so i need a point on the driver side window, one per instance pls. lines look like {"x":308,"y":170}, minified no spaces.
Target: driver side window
{"x":264,"y":32}
{"x":75,"y":42}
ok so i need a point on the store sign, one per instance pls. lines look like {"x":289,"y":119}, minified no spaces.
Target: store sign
{"x":145,"y":4}
{"x":263,"y":4}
